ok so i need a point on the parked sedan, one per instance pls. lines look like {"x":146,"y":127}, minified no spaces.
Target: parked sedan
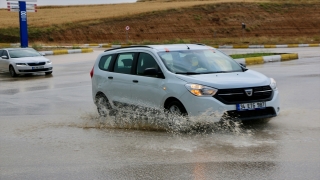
{"x":24,"y":61}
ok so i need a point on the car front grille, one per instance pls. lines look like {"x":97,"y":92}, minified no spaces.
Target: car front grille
{"x":238,"y":95}
{"x":37,"y":64}
{"x":250,"y":114}
{"x":35,"y":70}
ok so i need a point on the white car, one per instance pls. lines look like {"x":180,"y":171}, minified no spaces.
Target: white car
{"x":187,"y":79}
{"x":24,"y":61}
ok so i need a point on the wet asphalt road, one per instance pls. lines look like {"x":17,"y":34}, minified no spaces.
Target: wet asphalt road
{"x":49,"y":130}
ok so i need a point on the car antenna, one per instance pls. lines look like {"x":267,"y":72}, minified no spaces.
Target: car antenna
{"x":187,"y":46}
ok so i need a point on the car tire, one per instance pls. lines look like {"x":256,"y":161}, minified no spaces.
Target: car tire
{"x":48,"y":73}
{"x":176,"y":107}
{"x":103,"y":105}
{"x":12,"y":71}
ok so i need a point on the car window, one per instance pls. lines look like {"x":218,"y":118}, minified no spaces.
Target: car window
{"x":123,"y":63}
{"x":215,"y":58}
{"x":198,"y":61}
{"x":168,"y":60}
{"x":18,"y":53}
{"x":105,"y":62}
{"x":1,"y":52}
{"x":146,"y":61}
{"x":5,"y":53}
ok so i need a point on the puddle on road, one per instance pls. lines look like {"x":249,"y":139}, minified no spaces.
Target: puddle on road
{"x":160,"y":121}
{"x":183,"y":134}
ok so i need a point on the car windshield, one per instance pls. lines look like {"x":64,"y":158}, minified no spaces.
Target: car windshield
{"x":198,"y":62}
{"x":18,"y":53}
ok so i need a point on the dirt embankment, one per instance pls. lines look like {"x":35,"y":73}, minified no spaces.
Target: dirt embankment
{"x":264,"y":21}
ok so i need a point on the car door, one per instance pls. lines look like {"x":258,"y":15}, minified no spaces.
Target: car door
{"x":120,"y":79}
{"x":1,"y":61}
{"x":4,"y":63}
{"x":146,"y":90}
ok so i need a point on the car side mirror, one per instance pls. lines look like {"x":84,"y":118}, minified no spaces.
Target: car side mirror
{"x":42,"y":53}
{"x":153,"y":72}
{"x":243,"y":65}
{"x":4,"y":57}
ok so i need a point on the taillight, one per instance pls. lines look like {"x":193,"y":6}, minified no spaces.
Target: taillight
{"x":91,"y":72}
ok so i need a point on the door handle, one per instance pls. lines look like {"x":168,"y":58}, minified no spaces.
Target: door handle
{"x":110,"y":77}
{"x":135,"y":81}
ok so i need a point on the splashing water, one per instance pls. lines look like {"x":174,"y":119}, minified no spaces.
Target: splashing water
{"x":160,"y":120}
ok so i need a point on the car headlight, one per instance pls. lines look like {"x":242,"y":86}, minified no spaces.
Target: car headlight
{"x":21,"y":64}
{"x":200,"y":90}
{"x":273,"y":84}
{"x":48,"y":62}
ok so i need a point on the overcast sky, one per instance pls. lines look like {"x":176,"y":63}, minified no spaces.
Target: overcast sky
{"x":3,"y":3}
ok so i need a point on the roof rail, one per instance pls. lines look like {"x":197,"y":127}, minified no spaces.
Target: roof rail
{"x":133,"y":46}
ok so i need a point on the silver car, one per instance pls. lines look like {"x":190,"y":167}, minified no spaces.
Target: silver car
{"x":185,"y":79}
{"x":24,"y":61}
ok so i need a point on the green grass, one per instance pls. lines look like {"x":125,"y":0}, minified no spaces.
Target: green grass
{"x":238,"y":56}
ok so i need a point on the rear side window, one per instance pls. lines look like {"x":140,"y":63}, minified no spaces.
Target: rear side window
{"x":123,"y":63}
{"x":105,"y":62}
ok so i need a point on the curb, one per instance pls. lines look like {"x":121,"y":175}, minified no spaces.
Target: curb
{"x":267,"y":59}
{"x":6,"y":45}
{"x":106,"y":45}
{"x":246,"y":61}
{"x":65,"y":51}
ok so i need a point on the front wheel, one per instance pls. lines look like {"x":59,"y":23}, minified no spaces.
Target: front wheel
{"x":176,"y":107}
{"x":48,"y":73}
{"x":12,"y":72}
{"x":103,"y":105}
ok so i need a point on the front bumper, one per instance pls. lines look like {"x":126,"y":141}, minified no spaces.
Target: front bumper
{"x":216,"y":110}
{"x":33,"y":69}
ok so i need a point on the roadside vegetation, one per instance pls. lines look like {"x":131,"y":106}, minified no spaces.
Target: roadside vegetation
{"x":72,"y":15}
{"x":215,"y":22}
{"x":238,"y":56}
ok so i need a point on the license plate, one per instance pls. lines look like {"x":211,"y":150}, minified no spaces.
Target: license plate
{"x":38,"y":67}
{"x":251,"y":106}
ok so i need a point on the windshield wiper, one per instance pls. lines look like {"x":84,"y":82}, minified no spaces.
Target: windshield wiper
{"x":188,"y":73}
{"x":194,"y":73}
{"x":213,"y":72}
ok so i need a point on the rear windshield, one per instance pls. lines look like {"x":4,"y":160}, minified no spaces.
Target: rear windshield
{"x":198,"y":61}
{"x":18,"y":53}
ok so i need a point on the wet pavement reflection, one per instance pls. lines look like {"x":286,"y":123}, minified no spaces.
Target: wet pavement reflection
{"x":50,"y":129}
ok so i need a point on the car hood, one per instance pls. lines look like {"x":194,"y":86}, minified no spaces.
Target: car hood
{"x":29,"y":59}
{"x":248,"y":78}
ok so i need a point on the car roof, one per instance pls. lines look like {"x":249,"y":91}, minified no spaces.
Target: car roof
{"x":166,"y":47}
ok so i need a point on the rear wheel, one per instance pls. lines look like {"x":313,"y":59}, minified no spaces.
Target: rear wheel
{"x":103,"y":105}
{"x":12,"y":71}
{"x":176,"y":107}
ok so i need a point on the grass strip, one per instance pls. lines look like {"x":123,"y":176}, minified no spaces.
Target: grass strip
{"x":238,"y":56}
